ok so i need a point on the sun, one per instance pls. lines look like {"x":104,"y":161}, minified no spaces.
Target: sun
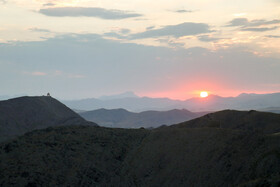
{"x":203,"y":94}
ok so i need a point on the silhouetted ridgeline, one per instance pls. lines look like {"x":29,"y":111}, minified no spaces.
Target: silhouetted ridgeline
{"x":124,"y":119}
{"x":24,"y":114}
{"x":227,"y":148}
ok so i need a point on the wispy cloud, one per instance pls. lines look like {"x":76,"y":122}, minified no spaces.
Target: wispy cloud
{"x":49,"y":4}
{"x":183,"y":29}
{"x":183,"y":11}
{"x":255,"y":25}
{"x":150,"y":27}
{"x":67,"y":75}
{"x":261,"y":29}
{"x":35,"y":73}
{"x":88,"y":12}
{"x":244,"y":22}
{"x":207,"y":38}
{"x":119,"y":33}
{"x":3,"y":1}
{"x":272,"y":36}
{"x":115,"y":35}
{"x":38,"y":73}
{"x":56,"y":73}
{"x":35,"y":29}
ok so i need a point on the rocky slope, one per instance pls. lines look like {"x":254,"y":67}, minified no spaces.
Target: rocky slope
{"x":24,"y":114}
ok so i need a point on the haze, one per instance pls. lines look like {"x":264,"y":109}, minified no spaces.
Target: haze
{"x":175,"y":49}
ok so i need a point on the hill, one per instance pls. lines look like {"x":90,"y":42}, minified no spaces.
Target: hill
{"x":23,"y":114}
{"x":264,"y":122}
{"x":243,"y":150}
{"x":124,"y":119}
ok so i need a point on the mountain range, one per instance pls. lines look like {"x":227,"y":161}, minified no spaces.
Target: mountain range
{"x":226,"y":148}
{"x":133,"y":103}
{"x":121,"y":118}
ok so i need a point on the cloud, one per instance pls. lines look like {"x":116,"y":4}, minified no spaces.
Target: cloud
{"x":261,"y":29}
{"x":115,"y":35}
{"x":207,"y":38}
{"x":150,"y":27}
{"x":35,"y":73}
{"x":254,"y":25}
{"x":88,"y":12}
{"x":120,"y":33}
{"x":272,"y":36}
{"x":55,"y":73}
{"x":244,"y":22}
{"x":183,"y":29}
{"x":238,"y":22}
{"x":49,"y":4}
{"x":119,"y":66}
{"x":35,"y":29}
{"x":183,"y":11}
{"x":38,"y":73}
{"x":125,"y":31}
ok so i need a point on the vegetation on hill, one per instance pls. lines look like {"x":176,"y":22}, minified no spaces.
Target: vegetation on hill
{"x":228,"y":148}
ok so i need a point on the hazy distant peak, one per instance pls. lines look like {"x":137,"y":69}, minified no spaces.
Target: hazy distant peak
{"x":128,"y":94}
{"x":246,"y":94}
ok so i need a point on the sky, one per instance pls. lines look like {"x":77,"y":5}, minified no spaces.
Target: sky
{"x":88,"y":48}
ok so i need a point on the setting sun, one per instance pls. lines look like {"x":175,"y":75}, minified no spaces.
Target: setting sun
{"x":203,"y":94}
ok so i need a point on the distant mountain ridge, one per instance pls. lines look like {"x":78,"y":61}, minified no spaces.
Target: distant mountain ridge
{"x":119,"y":96}
{"x":130,"y":104}
{"x":120,"y":118}
{"x":23,"y":114}
{"x":211,"y":103}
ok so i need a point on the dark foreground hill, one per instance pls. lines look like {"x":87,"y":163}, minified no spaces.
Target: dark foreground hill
{"x":124,"y":119}
{"x":227,"y":148}
{"x":24,"y":114}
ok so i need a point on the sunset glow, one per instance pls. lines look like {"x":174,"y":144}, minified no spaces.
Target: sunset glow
{"x":203,"y":94}
{"x":184,"y":48}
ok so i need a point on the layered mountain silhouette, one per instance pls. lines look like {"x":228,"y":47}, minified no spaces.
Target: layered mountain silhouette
{"x":24,"y":114}
{"x":124,"y":119}
{"x":135,"y":104}
{"x":227,"y":148}
{"x":211,"y":103}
